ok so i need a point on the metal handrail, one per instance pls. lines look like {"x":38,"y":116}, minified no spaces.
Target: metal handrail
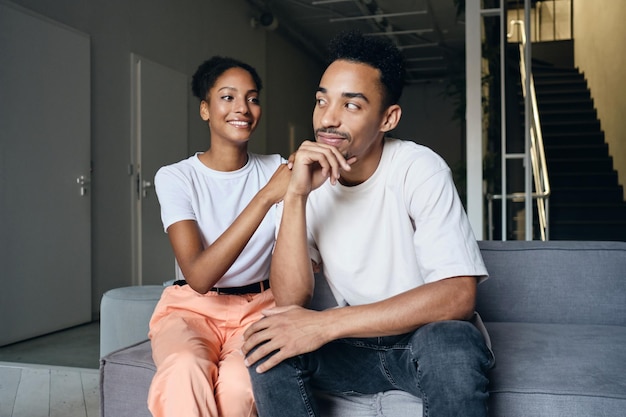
{"x":537,"y":152}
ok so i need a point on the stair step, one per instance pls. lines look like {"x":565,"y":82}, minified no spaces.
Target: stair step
{"x":556,"y":116}
{"x":560,"y":109}
{"x":564,"y":195}
{"x":570,"y":126}
{"x":543,"y":85}
{"x":548,"y":85}
{"x":573,"y":138}
{"x":543,"y":78}
{"x":551,"y":69}
{"x":563,"y":94}
{"x":596,"y":230}
{"x":602,"y":179}
{"x":563,"y":105}
{"x":576,"y":152}
{"x":581,"y":165}
{"x":588,"y":212}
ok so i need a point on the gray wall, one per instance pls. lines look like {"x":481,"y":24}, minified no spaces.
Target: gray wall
{"x":427,"y":119}
{"x":290,"y":70}
{"x":177,"y":34}
{"x":180,"y":34}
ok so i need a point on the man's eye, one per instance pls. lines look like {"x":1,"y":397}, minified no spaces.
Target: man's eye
{"x":352,"y":106}
{"x":320,"y":101}
{"x":254,"y":100}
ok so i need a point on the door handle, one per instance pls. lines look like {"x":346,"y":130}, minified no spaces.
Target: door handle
{"x":145,"y":185}
{"x":83,"y":182}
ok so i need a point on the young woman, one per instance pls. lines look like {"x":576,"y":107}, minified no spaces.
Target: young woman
{"x":218,"y":208}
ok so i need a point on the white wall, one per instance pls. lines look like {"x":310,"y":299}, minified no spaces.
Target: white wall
{"x":599,"y":52}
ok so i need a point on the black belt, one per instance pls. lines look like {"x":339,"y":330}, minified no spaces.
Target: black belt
{"x":255,"y":288}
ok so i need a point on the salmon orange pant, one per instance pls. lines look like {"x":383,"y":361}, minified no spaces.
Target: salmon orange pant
{"x":196,"y":346}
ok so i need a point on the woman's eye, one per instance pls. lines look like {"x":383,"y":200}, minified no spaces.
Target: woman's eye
{"x":254,"y":100}
{"x":227,"y":97}
{"x":320,"y":101}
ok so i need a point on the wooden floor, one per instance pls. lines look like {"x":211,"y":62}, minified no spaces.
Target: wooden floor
{"x":48,"y":391}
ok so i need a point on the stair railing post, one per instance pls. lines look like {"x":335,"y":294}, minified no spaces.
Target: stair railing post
{"x":527,"y":120}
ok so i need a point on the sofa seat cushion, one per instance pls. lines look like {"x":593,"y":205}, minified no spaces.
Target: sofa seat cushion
{"x":557,"y":370}
{"x":126,"y":374}
{"x":125,"y":378}
{"x":541,"y":370}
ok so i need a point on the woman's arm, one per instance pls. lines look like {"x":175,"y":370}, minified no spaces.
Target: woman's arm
{"x":203,"y":267}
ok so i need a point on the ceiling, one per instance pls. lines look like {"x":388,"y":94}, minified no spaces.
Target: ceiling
{"x":429,"y":32}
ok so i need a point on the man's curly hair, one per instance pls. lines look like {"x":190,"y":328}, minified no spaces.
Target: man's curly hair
{"x":377,"y":52}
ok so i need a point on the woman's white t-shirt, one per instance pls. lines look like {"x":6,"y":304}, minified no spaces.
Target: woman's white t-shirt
{"x":189,"y":190}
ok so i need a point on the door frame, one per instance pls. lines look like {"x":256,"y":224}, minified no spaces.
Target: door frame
{"x":142,"y":187}
{"x":134,"y":170}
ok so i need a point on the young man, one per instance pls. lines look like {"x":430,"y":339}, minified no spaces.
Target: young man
{"x":383,"y":219}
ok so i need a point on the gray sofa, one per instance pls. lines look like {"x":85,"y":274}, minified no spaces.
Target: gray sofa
{"x":556,"y":315}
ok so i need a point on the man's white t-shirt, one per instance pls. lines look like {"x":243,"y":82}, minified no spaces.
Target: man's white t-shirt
{"x":189,"y":190}
{"x":403,"y":227}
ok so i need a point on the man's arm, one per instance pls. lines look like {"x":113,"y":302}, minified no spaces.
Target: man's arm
{"x":291,"y":331}
{"x":291,"y":272}
{"x":447,"y":299}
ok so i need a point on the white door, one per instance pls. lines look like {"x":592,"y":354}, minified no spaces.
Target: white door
{"x":159,"y":105}
{"x":45,"y":213}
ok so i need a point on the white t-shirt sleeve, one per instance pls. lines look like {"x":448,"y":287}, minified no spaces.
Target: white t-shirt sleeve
{"x":173,"y":191}
{"x":444,"y":242}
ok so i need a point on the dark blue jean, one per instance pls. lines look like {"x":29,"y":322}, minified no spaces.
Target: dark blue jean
{"x":442,"y":363}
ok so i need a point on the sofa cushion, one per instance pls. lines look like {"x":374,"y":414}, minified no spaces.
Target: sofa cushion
{"x":554,"y":282}
{"x":556,"y":315}
{"x":557,"y":370}
{"x":541,"y":370}
{"x":126,"y":374}
{"x":125,"y":378}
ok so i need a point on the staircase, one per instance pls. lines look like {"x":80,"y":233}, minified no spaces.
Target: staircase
{"x":587,"y":201}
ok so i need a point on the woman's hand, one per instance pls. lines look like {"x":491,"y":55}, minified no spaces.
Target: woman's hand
{"x":277,"y":186}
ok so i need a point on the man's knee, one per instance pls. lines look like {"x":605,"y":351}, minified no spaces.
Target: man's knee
{"x":284,"y":371}
{"x":452,"y":359}
{"x":452,"y":332}
{"x":454,"y":343}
